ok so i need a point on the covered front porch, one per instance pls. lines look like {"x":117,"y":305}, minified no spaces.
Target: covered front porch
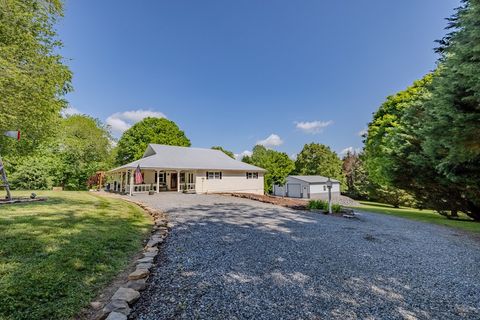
{"x":154,"y":180}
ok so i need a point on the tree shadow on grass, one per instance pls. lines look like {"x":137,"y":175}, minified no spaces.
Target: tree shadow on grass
{"x":52,"y":262}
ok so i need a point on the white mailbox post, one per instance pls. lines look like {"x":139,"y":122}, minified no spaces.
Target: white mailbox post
{"x":329,"y":186}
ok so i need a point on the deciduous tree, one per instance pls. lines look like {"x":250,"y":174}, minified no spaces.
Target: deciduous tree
{"x":277,"y":164}
{"x":135,"y":140}
{"x":228,"y":153}
{"x":33,"y":76}
{"x":319,"y":159}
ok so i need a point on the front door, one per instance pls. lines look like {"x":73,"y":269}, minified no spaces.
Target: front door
{"x":173,"y":181}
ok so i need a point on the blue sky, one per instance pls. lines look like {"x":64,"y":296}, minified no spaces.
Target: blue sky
{"x":235,"y":73}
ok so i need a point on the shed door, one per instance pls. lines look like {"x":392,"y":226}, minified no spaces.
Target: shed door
{"x":279,"y":190}
{"x":294,"y":190}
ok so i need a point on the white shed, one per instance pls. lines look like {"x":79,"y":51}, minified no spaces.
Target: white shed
{"x":309,"y":187}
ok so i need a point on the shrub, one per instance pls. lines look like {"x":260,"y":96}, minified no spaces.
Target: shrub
{"x":317,"y":205}
{"x":336,"y":208}
{"x":323,"y":205}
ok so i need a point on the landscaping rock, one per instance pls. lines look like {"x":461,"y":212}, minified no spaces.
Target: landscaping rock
{"x":154,"y":241}
{"x":116,"y":316}
{"x":96,"y":305}
{"x":145,"y":260}
{"x":149,"y":254}
{"x":138,"y":285}
{"x":120,"y":306}
{"x":152,"y":249}
{"x":127,"y":294}
{"x":144,"y":265}
{"x":138,"y":274}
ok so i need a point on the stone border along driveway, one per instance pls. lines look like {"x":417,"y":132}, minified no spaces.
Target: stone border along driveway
{"x":118,"y":307}
{"x":233,"y":258}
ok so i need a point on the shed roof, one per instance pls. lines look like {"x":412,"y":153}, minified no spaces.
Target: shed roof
{"x":313,"y":179}
{"x":158,"y":156}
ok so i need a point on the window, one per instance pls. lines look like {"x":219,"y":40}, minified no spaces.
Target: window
{"x":324,"y":188}
{"x":252,"y":175}
{"x":214,"y":175}
{"x":161,"y":177}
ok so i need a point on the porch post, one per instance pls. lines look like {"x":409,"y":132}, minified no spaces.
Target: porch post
{"x":131,"y":182}
{"x":178,"y":180}
{"x":158,"y":181}
{"x":121,"y":180}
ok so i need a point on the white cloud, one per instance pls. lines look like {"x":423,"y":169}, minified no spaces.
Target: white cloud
{"x":363,"y":132}
{"x":121,"y":121}
{"x":313,"y":126}
{"x":272,"y":140}
{"x":351,"y":150}
{"x":70,"y":111}
{"x":239,"y":156}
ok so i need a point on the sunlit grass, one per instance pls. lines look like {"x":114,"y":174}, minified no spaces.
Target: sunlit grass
{"x":428,"y":216}
{"x":56,"y":255}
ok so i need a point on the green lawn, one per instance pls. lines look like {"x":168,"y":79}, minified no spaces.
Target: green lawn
{"x":56,"y":255}
{"x":421,"y":215}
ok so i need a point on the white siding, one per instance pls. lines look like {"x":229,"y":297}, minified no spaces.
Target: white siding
{"x":232,"y":181}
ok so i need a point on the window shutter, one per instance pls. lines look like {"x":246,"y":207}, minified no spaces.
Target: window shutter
{"x":220,"y":175}
{"x":207,"y":175}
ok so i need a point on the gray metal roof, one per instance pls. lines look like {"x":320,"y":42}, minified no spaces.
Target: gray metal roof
{"x":313,"y":179}
{"x":158,"y":156}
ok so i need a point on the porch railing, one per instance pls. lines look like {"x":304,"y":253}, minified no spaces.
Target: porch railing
{"x":187,"y":186}
{"x":139,"y":188}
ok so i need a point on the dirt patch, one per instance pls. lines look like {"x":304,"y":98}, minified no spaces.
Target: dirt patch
{"x":296,"y":204}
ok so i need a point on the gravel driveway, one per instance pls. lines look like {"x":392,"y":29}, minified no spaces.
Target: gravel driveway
{"x":232,"y":258}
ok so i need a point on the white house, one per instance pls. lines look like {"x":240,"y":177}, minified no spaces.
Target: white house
{"x":172,"y":168}
{"x":310,"y":187}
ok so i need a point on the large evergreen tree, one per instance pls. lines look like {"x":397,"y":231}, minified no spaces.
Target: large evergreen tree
{"x":451,"y":128}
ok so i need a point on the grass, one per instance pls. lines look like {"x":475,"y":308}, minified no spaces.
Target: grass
{"x":55,"y":256}
{"x":428,"y":216}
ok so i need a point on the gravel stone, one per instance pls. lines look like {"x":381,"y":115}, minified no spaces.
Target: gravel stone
{"x":234,"y":258}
